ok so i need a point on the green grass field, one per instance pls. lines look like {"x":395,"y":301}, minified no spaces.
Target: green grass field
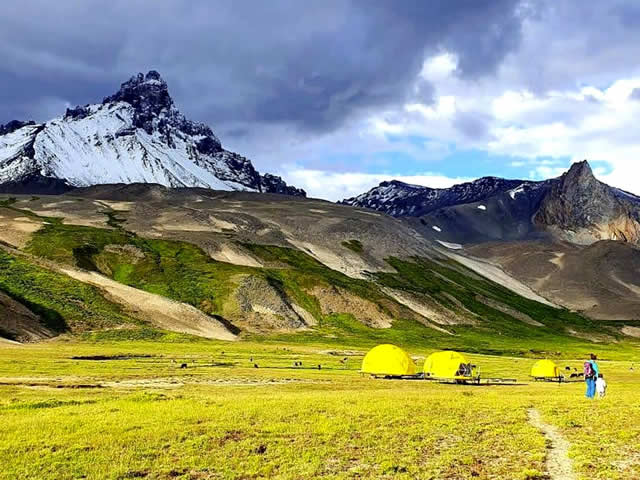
{"x":138,"y":415}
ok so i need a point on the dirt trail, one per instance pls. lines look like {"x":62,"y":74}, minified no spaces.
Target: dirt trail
{"x":161,"y":311}
{"x":631,"y":331}
{"x":559,"y":464}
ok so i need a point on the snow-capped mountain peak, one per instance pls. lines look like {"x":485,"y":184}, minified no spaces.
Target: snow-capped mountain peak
{"x":135,"y":135}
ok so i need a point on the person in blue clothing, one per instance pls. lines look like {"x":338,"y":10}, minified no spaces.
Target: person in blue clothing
{"x":591,"y":372}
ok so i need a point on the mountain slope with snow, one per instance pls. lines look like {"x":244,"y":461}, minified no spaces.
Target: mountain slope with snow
{"x":401,"y":199}
{"x":134,"y":136}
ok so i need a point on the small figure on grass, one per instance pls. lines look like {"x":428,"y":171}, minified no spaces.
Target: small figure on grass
{"x":601,"y":386}
{"x":591,"y":373}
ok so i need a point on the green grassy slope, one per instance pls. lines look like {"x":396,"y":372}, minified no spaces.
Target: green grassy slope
{"x":496,"y":333}
{"x":63,"y":303}
{"x":184,"y":272}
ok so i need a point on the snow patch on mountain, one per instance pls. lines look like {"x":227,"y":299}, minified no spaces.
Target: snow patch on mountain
{"x":14,"y":144}
{"x":450,"y":245}
{"x":92,"y":150}
{"x":516,"y":191}
{"x":135,"y":135}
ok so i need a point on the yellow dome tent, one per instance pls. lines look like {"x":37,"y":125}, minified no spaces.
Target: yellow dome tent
{"x":388,"y":360}
{"x":449,"y":365}
{"x":545,"y":369}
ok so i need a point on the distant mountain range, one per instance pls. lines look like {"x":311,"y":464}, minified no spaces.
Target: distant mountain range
{"x":575,"y":207}
{"x":401,"y":199}
{"x":135,"y":135}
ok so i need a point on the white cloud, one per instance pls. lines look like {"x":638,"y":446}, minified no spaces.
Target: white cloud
{"x":439,"y":67}
{"x":601,"y":131}
{"x":542,"y":172}
{"x":582,"y":122}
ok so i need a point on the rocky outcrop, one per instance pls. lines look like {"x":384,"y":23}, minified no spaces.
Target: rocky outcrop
{"x":625,"y":228}
{"x":77,"y":113}
{"x":264,"y":306}
{"x":19,"y":323}
{"x":334,"y":300}
{"x":577,"y":200}
{"x":154,"y":110}
{"x":274,"y":184}
{"x":582,"y":209}
{"x":14,"y":125}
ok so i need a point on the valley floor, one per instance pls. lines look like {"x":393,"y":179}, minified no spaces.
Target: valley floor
{"x":117,"y":410}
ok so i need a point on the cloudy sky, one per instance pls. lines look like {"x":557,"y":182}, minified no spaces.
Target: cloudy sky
{"x":338,"y":95}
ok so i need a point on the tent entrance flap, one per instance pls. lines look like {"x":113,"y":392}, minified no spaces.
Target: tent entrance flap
{"x":449,"y":365}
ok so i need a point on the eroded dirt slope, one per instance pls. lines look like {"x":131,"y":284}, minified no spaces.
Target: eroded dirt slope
{"x":219,"y":221}
{"x":19,"y":323}
{"x":602,"y":280}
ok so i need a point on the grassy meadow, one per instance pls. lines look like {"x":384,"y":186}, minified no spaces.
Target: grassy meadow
{"x":120,"y":408}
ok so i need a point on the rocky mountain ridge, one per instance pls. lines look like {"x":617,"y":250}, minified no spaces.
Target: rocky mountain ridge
{"x":135,"y":135}
{"x":401,"y":199}
{"x":574,"y":207}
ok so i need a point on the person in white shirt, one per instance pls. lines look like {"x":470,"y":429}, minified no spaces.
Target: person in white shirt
{"x":601,"y":386}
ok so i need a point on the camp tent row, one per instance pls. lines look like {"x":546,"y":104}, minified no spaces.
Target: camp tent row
{"x":391,"y":361}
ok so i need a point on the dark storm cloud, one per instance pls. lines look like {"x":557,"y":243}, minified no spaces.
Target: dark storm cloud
{"x":572,"y":42}
{"x":308,"y":64}
{"x":424,"y":92}
{"x":473,"y":125}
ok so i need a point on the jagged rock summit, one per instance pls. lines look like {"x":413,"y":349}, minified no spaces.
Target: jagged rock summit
{"x":585,"y":209}
{"x":135,"y":135}
{"x":577,"y":199}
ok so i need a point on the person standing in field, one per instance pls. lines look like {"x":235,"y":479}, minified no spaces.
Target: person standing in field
{"x":591,"y":372}
{"x":601,"y":386}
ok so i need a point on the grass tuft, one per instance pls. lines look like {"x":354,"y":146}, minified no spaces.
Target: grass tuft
{"x":353,"y":245}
